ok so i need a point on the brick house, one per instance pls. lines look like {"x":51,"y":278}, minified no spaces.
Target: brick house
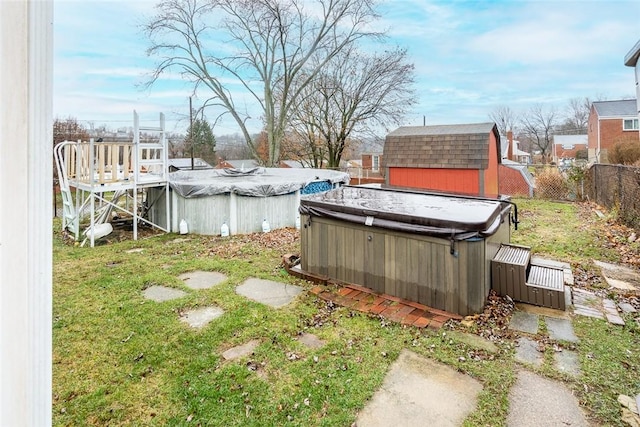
{"x":567,"y":146}
{"x":611,"y":122}
{"x":632,"y":59}
{"x":461,"y":158}
{"x":372,"y":162}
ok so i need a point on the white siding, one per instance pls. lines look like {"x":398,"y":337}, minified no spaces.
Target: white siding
{"x":25,"y":212}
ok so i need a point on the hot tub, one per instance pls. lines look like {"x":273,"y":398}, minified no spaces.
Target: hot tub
{"x":434,"y":249}
{"x":242,"y":199}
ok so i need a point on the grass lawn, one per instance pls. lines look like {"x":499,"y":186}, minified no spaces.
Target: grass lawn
{"x":120,"y":359}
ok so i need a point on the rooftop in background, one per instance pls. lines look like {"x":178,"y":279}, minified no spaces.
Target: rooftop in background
{"x":618,"y":108}
{"x":631,"y":58}
{"x":244,"y":164}
{"x":185,"y":164}
{"x":570,"y":139}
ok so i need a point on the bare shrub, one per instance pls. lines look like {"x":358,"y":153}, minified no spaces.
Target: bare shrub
{"x":550,"y":184}
{"x":625,"y":152}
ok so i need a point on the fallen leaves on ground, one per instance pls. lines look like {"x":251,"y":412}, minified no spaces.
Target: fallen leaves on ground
{"x":246,"y":244}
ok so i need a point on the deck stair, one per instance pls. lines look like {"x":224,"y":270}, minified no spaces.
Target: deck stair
{"x":70,"y":220}
{"x":97,"y":178}
{"x":515,"y":274}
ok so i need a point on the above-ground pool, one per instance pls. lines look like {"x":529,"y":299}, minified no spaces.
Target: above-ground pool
{"x":207,"y":199}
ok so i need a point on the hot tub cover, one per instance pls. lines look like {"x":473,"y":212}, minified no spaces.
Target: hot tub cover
{"x":433,"y":214}
{"x":256,"y":182}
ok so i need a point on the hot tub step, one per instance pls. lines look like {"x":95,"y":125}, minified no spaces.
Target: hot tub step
{"x":545,"y":287}
{"x":509,"y":271}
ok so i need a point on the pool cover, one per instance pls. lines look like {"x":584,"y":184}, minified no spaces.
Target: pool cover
{"x":432,"y":214}
{"x":256,"y":182}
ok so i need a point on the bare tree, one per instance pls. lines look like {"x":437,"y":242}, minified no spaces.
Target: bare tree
{"x":67,"y":130}
{"x":577,"y":117}
{"x":354,"y":94}
{"x":505,"y":118}
{"x":538,"y":126}
{"x":269,"y":48}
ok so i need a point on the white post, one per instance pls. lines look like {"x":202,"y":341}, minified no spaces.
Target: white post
{"x":26,"y":212}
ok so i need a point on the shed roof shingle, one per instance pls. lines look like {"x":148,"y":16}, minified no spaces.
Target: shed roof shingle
{"x":463,"y":146}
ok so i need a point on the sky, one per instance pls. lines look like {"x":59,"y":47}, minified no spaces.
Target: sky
{"x":470,"y":58}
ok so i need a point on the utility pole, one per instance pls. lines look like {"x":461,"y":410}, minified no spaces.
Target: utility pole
{"x":191,"y":133}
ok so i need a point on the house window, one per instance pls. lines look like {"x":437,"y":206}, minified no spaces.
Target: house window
{"x":630,"y":124}
{"x":375,"y":163}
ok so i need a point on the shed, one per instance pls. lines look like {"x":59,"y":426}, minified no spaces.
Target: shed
{"x":460,"y":158}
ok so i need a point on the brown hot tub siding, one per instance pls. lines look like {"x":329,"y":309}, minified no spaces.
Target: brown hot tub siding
{"x":412,"y":266}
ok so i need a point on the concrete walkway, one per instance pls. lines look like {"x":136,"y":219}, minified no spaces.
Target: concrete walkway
{"x":420,"y":392}
{"x":535,"y":401}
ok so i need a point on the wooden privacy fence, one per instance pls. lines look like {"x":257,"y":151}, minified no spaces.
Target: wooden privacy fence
{"x":616,"y":187}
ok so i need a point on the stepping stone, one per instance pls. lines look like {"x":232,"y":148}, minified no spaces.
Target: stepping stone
{"x":614,"y":319}
{"x":611,"y":312}
{"x":311,"y":341}
{"x":589,"y":312}
{"x":162,"y":293}
{"x":587,"y":303}
{"x":201,"y":317}
{"x":241,"y":350}
{"x":560,"y":329}
{"x":273,"y":294}
{"x":202,"y":279}
{"x":583,"y":297}
{"x":418,"y":391}
{"x":135,"y":251}
{"x":627,"y":308}
{"x":524,"y":322}
{"x":474,"y":341}
{"x":535,"y":401}
{"x":543,"y":311}
{"x":619,"y":284}
{"x":619,"y":276}
{"x":567,"y":361}
{"x":527,"y":352}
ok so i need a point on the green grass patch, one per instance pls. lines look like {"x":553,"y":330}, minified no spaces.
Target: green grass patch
{"x":120,"y":359}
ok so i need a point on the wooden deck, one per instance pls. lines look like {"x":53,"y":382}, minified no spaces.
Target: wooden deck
{"x":366,"y":300}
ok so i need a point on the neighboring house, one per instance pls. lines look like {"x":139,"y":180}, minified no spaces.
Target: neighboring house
{"x":361,"y":174}
{"x":461,"y":158}
{"x":293,"y":164}
{"x":632,"y":59}
{"x":516,"y":154}
{"x":237,"y":164}
{"x":567,"y":146}
{"x":372,"y":162}
{"x":185,"y":164}
{"x":611,"y":122}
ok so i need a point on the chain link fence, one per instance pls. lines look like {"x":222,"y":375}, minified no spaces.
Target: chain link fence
{"x":545,"y":182}
{"x":617,"y":188}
